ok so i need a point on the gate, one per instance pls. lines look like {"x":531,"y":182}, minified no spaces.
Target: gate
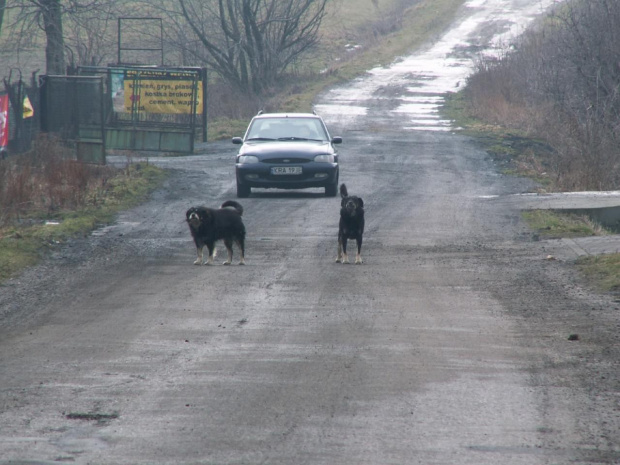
{"x":73,"y":108}
{"x":153,"y":108}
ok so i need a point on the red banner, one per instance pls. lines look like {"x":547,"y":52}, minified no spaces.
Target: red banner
{"x":4,"y":120}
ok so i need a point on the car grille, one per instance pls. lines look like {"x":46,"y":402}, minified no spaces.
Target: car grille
{"x":288,"y":160}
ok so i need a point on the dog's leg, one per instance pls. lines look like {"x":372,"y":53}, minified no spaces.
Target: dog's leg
{"x":339,"y":256}
{"x":228,"y":244}
{"x":198,"y":261}
{"x":345,"y":257}
{"x":358,"y":256}
{"x":241,"y":244}
{"x":211,"y":247}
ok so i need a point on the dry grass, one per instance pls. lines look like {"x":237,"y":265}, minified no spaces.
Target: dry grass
{"x":47,"y":198}
{"x":47,"y":181}
{"x":552,"y":224}
{"x":553,"y":86}
{"x":603,"y":271}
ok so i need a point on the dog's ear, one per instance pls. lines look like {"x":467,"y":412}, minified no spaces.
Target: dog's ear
{"x":360,"y":202}
{"x":343,"y":191}
{"x":189,"y":212}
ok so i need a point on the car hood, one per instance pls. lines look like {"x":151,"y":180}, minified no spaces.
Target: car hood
{"x":300,"y":149}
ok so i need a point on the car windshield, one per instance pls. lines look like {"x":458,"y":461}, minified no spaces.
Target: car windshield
{"x":287,"y":129}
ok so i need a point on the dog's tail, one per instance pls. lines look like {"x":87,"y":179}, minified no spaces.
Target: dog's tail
{"x":236,"y":205}
{"x":343,"y":190}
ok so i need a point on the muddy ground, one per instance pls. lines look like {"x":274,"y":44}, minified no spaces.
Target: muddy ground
{"x":453,"y":339}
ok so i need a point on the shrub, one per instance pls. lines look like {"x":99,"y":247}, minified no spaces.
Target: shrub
{"x":559,"y":82}
{"x":47,"y":180}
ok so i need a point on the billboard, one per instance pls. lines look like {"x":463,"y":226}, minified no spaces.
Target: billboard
{"x":157,"y":91}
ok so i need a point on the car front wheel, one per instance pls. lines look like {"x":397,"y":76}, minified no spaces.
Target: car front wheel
{"x":243,"y":191}
{"x":331,"y":190}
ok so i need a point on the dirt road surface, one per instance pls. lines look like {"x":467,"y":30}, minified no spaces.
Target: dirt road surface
{"x":449,"y":345}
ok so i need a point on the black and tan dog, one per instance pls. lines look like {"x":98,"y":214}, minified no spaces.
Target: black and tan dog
{"x":209,"y":225}
{"x":351,"y":225}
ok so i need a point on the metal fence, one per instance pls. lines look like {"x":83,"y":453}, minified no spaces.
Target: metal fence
{"x":117,"y":107}
{"x":73,"y":108}
{"x":153,"y":108}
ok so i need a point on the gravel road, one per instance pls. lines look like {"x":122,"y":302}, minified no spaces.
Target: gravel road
{"x":451,"y":344}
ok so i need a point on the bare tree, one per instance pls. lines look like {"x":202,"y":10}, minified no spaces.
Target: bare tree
{"x":88,"y":37}
{"x":250,"y":43}
{"x":92,"y":36}
{"x":2,"y":8}
{"x":563,"y":79}
{"x":51,"y":14}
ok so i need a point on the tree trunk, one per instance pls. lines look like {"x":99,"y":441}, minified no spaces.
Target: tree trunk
{"x":52,"y":23}
{"x":2,"y":8}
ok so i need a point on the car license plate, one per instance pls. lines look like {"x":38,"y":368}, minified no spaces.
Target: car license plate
{"x":286,"y":170}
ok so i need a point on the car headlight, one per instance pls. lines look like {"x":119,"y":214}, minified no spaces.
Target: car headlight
{"x":245,"y":159}
{"x":324,"y":158}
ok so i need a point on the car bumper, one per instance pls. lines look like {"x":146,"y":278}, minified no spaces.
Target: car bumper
{"x":316,"y":175}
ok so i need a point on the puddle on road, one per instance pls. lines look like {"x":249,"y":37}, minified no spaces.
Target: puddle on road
{"x":419,"y":82}
{"x":118,"y":225}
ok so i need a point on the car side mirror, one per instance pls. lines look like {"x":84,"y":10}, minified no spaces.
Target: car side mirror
{"x":337,"y":140}
{"x":237,"y":140}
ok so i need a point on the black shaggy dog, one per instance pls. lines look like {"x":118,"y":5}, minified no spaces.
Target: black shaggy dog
{"x":351,"y":225}
{"x":209,"y":225}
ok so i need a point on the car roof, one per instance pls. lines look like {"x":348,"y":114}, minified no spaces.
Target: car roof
{"x":287,"y":115}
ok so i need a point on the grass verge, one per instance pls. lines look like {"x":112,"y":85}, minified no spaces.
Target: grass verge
{"x":551,"y":224}
{"x":518,"y":155}
{"x":24,"y":244}
{"x":226,"y":128}
{"x":514,"y":152}
{"x":601,"y":271}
